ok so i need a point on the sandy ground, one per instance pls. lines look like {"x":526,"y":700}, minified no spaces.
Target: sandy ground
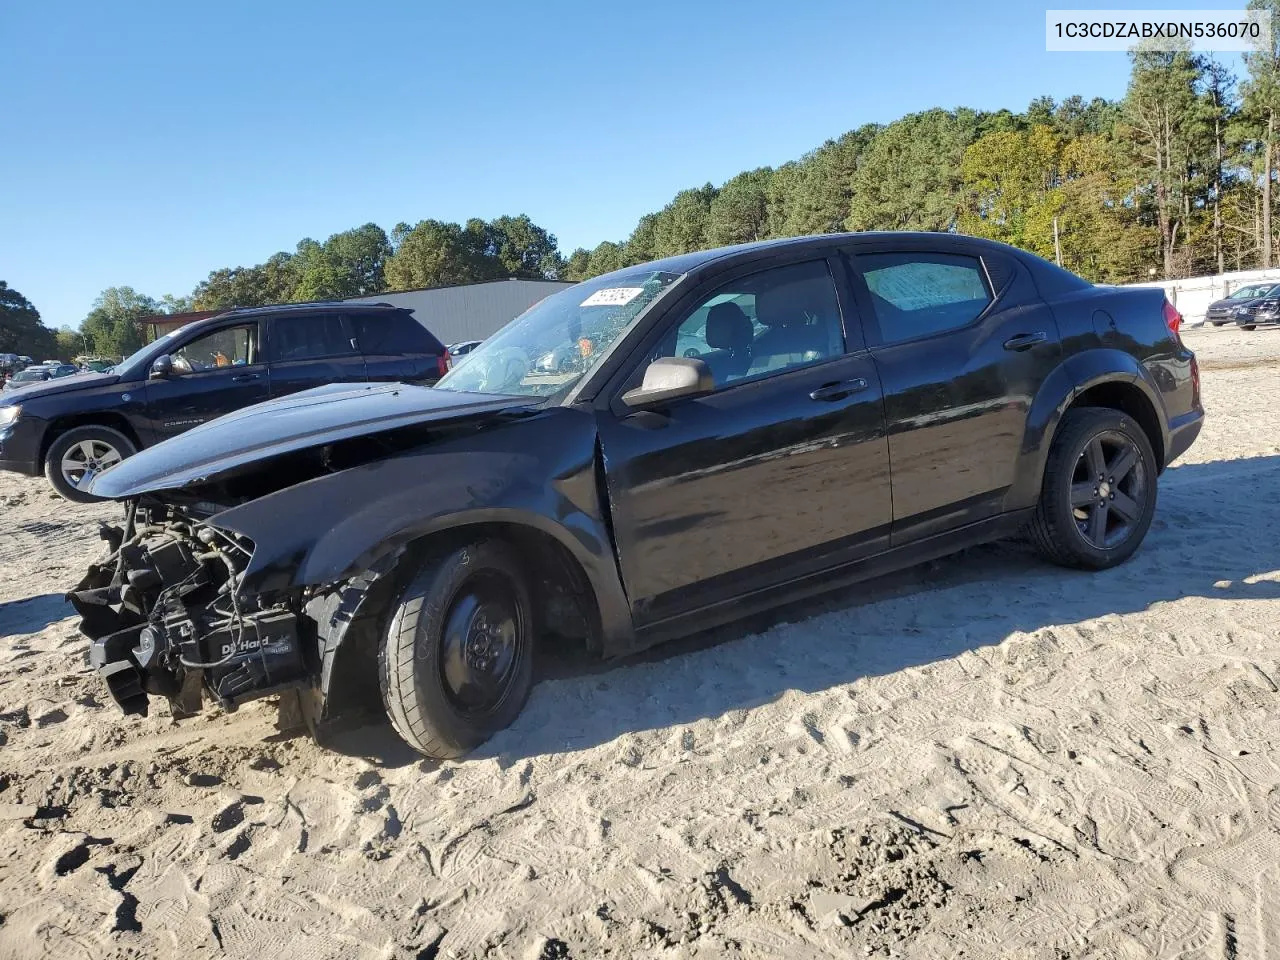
{"x":987,"y":757}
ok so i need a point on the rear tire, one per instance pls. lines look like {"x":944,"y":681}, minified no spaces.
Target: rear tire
{"x":81,"y":452}
{"x":456,"y":663}
{"x":1099,"y":491}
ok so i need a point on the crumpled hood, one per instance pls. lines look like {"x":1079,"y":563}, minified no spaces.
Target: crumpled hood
{"x":49,"y":388}
{"x":308,"y":419}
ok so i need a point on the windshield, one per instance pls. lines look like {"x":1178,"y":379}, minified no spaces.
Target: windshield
{"x":1244,"y":293}
{"x":557,"y":341}
{"x":32,"y":374}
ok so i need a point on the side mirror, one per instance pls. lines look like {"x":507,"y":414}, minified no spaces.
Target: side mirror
{"x":161,"y":367}
{"x":671,"y":378}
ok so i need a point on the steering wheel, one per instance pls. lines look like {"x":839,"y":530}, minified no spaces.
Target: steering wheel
{"x":500,"y":368}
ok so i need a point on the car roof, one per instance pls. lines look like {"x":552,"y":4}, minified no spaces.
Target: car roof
{"x":286,"y":309}
{"x":317,"y":306}
{"x":688,"y":262}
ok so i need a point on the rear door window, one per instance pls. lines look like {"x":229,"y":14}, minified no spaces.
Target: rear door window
{"x":393,"y":333}
{"x":921,"y":294}
{"x":310,"y":337}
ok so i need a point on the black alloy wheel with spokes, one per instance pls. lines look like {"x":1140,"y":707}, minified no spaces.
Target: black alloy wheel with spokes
{"x":1099,"y":491}
{"x":1109,"y":489}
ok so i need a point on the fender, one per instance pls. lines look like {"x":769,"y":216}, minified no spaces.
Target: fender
{"x":1075,"y":375}
{"x":546,"y":481}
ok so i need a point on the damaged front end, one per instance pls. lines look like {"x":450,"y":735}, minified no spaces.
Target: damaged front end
{"x":166,"y":617}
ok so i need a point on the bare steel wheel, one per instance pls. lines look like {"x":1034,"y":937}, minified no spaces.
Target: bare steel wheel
{"x":79,"y":455}
{"x":1099,"y":490}
{"x":456,"y":662}
{"x":481,"y":645}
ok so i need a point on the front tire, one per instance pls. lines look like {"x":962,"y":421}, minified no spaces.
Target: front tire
{"x":456,"y":663}
{"x":1099,"y":491}
{"x":1248,"y":326}
{"x":78,"y":455}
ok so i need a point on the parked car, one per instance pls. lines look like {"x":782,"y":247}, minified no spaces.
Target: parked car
{"x":1262,"y":311}
{"x":72,"y":429}
{"x":1223,"y":311}
{"x":28,"y":376}
{"x":859,"y":403}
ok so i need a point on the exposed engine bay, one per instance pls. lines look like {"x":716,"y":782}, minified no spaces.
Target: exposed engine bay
{"x":165,"y":616}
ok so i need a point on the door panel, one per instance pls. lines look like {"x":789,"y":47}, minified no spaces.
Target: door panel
{"x":748,"y":487}
{"x":956,"y":399}
{"x":213,"y":374}
{"x":782,"y":472}
{"x":312,"y":350}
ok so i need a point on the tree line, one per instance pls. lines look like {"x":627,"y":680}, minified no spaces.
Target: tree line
{"x":1174,"y":179}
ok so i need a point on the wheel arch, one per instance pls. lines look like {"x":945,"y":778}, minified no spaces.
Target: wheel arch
{"x":109,"y":419}
{"x":1129,"y":398}
{"x":1097,"y":378}
{"x":348,"y":641}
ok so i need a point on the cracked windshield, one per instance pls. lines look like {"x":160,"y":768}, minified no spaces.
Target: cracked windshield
{"x":558,"y":341}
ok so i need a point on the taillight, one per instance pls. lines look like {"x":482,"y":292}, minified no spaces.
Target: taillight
{"x":443,"y":363}
{"x":1172,"y":319}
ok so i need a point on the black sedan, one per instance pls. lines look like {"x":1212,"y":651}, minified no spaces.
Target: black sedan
{"x":857,"y":403}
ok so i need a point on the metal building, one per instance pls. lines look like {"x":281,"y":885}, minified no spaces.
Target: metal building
{"x":469,"y":311}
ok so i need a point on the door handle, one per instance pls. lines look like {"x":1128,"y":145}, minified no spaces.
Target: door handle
{"x":244,"y":377}
{"x":1024,"y":340}
{"x":838,"y":390}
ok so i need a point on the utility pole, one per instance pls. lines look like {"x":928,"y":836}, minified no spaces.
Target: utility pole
{"x":1057,"y":247}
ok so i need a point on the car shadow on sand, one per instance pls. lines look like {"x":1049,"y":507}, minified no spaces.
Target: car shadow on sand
{"x":33,"y":614}
{"x":1215,"y":530}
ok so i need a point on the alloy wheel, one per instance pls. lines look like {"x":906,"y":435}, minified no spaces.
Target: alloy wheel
{"x":84,"y":460}
{"x":1109,"y":490}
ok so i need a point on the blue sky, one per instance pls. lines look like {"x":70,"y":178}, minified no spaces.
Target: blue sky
{"x":151,"y":142}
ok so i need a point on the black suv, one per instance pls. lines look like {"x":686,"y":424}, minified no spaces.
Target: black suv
{"x":74,"y":428}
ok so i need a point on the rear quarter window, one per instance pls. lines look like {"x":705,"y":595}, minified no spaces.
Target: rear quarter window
{"x":393,"y":333}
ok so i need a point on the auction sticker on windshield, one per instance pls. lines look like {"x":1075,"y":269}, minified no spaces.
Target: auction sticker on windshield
{"x":612,"y":297}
